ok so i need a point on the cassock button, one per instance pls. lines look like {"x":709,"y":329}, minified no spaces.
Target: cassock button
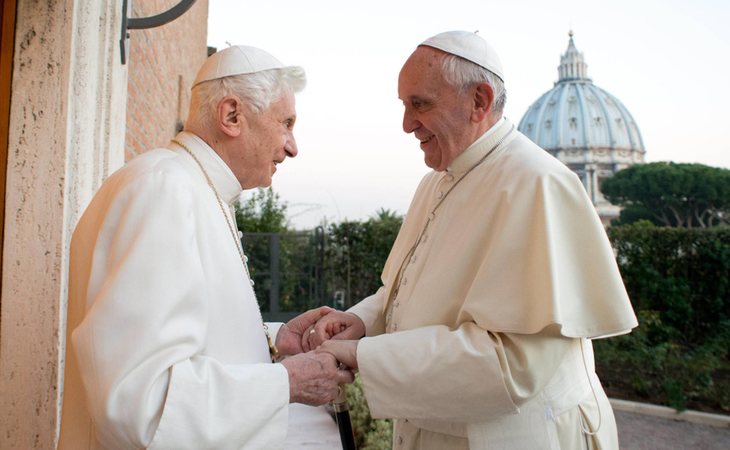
{"x":404,"y":281}
{"x":400,"y":440}
{"x":395,"y":305}
{"x":240,"y":234}
{"x":413,"y":258}
{"x":449,"y":177}
{"x":441,"y":194}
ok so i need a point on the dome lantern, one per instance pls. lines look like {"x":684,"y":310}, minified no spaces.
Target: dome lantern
{"x":572,"y":65}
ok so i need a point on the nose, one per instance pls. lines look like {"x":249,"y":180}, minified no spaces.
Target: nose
{"x":291,"y":147}
{"x":410,"y":124}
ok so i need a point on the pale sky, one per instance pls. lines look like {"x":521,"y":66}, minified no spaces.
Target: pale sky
{"x":668,"y":61}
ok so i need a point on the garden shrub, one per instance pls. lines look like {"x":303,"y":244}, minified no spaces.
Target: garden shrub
{"x":678,"y":282}
{"x":370,"y":434}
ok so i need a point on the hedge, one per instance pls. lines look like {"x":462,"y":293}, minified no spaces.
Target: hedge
{"x":678,"y":280}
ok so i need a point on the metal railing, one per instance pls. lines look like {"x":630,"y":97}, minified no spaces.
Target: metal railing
{"x":288,"y":271}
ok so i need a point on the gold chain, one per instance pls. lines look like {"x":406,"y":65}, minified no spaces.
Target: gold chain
{"x":273,"y":351}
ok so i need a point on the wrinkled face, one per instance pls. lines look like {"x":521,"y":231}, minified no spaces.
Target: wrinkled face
{"x":435,"y":112}
{"x":268,"y":138}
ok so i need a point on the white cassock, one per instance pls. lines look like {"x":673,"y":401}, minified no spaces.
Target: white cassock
{"x":482,"y":340}
{"x":166,"y":348}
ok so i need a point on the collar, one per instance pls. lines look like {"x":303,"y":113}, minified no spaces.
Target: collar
{"x":220,"y":174}
{"x":480,"y":147}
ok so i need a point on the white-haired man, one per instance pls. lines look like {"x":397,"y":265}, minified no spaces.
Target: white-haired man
{"x":498,"y":279}
{"x":167,"y":348}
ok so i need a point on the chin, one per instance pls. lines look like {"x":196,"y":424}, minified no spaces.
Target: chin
{"x":430,"y":163}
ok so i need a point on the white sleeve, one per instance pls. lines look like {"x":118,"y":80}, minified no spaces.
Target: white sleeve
{"x":530,"y":361}
{"x":462,"y":375}
{"x":140,"y":345}
{"x":370,"y":311}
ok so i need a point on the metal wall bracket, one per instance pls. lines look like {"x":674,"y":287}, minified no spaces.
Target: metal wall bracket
{"x":141,"y":23}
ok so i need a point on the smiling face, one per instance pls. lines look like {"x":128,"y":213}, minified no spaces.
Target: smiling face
{"x":267,"y":138}
{"x":435,"y":112}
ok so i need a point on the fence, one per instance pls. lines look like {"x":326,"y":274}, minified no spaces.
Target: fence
{"x":288,"y":272}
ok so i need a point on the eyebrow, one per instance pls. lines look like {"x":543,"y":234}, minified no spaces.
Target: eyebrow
{"x":420,"y":98}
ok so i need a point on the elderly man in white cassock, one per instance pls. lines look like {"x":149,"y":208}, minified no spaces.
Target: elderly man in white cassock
{"x":167,"y":347}
{"x":500,"y":276}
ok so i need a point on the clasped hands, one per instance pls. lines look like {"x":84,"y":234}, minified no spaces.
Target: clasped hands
{"x":336,"y":333}
{"x":321,"y":345}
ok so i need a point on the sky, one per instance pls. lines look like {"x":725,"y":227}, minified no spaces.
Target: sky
{"x":668,"y":61}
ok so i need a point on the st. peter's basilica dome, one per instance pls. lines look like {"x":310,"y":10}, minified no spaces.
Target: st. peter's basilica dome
{"x":585,"y":127}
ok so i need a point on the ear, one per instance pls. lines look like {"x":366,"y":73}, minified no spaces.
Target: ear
{"x":483,"y":95}
{"x":230,"y":116}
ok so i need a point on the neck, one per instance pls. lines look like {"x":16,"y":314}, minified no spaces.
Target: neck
{"x":489,"y":122}
{"x":484,"y":126}
{"x":214,"y":141}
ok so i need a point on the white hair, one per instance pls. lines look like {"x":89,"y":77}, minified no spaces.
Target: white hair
{"x":462,"y":74}
{"x":257,"y":91}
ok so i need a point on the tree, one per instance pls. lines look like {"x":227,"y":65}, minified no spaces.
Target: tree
{"x":671,"y":194}
{"x":263,"y":212}
{"x":356,"y":253}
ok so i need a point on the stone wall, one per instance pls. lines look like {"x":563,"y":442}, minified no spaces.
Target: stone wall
{"x":67,"y":112}
{"x":66,"y":135}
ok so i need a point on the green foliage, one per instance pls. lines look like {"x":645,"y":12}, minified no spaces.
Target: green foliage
{"x":680,"y":272}
{"x":370,"y":434}
{"x":273,"y":249}
{"x":263,"y":212}
{"x":671,"y":194}
{"x":356,"y":253}
{"x":666,"y":372}
{"x":296,"y":257}
{"x":351,"y":255}
{"x":679,"y":283}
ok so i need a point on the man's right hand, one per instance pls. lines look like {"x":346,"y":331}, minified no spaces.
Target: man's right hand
{"x":314,"y":378}
{"x":334,"y":325}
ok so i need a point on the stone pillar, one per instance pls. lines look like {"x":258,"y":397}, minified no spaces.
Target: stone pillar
{"x":67,"y":123}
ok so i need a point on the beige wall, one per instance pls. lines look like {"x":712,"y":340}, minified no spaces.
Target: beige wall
{"x":66,"y":135}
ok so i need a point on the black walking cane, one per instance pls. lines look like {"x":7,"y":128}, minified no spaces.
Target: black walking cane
{"x":342,"y":416}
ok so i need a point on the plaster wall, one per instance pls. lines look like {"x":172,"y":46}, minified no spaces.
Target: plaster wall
{"x":66,"y":135}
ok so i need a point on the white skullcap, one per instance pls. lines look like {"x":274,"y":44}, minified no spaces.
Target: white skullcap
{"x":469,"y":46}
{"x":236,"y":60}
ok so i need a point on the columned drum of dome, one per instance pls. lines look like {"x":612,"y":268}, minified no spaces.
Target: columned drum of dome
{"x":585,"y":127}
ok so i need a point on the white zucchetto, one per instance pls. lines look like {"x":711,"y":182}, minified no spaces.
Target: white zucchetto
{"x":236,"y":60}
{"x":469,"y":46}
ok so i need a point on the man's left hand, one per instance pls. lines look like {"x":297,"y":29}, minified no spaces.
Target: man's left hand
{"x":289,"y":337}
